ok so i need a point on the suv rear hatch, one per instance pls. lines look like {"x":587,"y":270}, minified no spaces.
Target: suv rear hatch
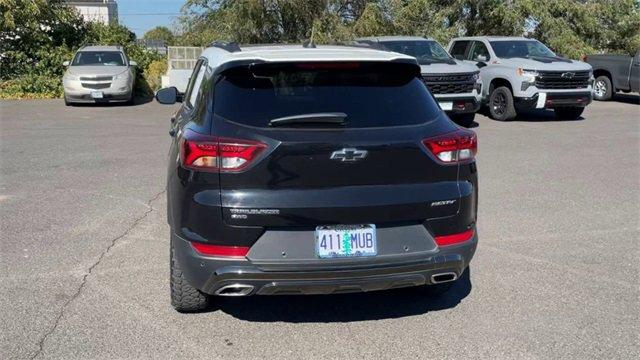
{"x":350,"y":149}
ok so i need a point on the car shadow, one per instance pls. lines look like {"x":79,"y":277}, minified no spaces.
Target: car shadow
{"x":627,"y":98}
{"x":137,"y":100}
{"x":377,"y":305}
{"x":534,"y":115}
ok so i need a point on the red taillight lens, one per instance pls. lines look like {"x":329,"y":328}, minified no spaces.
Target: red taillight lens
{"x":200,"y":152}
{"x":457,"y":146}
{"x":220,"y":250}
{"x":453,"y":239}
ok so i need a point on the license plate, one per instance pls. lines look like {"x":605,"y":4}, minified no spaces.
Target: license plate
{"x":346,"y":241}
{"x":97,"y":94}
{"x":446,"y":105}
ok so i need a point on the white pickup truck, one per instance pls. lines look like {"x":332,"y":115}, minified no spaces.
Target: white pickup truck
{"x":455,"y":85}
{"x":520,"y":73}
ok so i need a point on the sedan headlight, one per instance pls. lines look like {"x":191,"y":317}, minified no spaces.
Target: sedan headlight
{"x":121,"y":76}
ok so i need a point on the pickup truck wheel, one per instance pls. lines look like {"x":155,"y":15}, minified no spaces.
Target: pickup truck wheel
{"x":602,"y":88}
{"x":465,"y":120}
{"x":501,"y":104}
{"x":568,"y":113}
{"x":184,"y":297}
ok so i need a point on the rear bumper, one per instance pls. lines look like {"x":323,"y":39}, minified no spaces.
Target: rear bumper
{"x":367,"y":274}
{"x":553,"y":100}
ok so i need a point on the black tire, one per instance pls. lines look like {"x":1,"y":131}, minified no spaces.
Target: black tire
{"x":602,"y":89}
{"x":568,"y":113}
{"x":501,"y":104}
{"x":184,"y":297}
{"x":465,"y":120}
{"x":130,"y":101}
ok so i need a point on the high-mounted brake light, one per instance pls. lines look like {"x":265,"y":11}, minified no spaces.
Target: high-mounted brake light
{"x":220,"y":250}
{"x":454,"y":239}
{"x":454,"y":147}
{"x":329,"y":65}
{"x":206,"y":153}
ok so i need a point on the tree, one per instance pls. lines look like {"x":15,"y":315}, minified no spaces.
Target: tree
{"x":36,"y":35}
{"x":572,"y":27}
{"x":160,"y":33}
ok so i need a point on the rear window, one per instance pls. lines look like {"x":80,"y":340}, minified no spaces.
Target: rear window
{"x":370,"y":94}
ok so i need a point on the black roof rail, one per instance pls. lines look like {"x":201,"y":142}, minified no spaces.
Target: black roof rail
{"x":230,"y":46}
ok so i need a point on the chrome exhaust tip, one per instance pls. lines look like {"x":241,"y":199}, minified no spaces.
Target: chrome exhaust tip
{"x":235,"y":290}
{"x":443,"y":277}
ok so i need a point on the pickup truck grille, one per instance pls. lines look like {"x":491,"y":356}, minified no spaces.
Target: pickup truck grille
{"x":562,"y":79}
{"x":449,"y":83}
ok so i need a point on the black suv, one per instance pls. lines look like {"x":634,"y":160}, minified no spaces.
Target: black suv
{"x":318,"y":170}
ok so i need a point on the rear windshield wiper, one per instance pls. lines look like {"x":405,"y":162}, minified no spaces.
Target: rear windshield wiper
{"x":331,"y":118}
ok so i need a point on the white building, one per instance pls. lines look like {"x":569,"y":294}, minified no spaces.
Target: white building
{"x":104,"y":11}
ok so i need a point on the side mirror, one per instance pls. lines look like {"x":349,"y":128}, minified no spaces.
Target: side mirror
{"x":65,"y":63}
{"x":133,"y":63}
{"x":168,"y":96}
{"x":481,"y":58}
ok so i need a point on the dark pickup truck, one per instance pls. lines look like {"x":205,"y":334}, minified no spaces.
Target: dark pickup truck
{"x":614,"y":73}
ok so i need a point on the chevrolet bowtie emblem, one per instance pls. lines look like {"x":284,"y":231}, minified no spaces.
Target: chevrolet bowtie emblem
{"x":349,"y":155}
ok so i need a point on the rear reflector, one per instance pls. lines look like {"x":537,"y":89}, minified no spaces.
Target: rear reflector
{"x":207,"y":153}
{"x":454,"y":147}
{"x":220,"y":250}
{"x":453,"y":239}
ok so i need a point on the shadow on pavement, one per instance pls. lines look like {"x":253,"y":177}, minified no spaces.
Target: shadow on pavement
{"x":540,"y":115}
{"x":627,"y":98}
{"x":344,"y":307}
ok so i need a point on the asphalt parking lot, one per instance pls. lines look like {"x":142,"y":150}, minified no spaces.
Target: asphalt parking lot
{"x":84,"y":250}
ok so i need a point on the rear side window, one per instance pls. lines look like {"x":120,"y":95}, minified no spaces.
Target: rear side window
{"x":459,"y":49}
{"x":370,"y":94}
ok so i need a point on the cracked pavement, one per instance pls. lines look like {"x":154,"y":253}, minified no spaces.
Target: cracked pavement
{"x":84,"y":250}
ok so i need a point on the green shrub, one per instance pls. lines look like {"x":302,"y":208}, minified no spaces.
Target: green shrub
{"x":31,"y":86}
{"x":154,"y":73}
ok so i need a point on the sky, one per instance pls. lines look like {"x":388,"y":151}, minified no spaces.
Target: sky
{"x":142,"y":15}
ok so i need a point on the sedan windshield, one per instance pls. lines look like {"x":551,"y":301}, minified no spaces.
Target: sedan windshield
{"x":521,"y":48}
{"x":93,"y":58}
{"x":425,"y":51}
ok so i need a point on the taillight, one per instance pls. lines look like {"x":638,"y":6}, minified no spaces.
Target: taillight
{"x":457,"y":146}
{"x":206,"y":153}
{"x":453,"y":239}
{"x":220,"y":250}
